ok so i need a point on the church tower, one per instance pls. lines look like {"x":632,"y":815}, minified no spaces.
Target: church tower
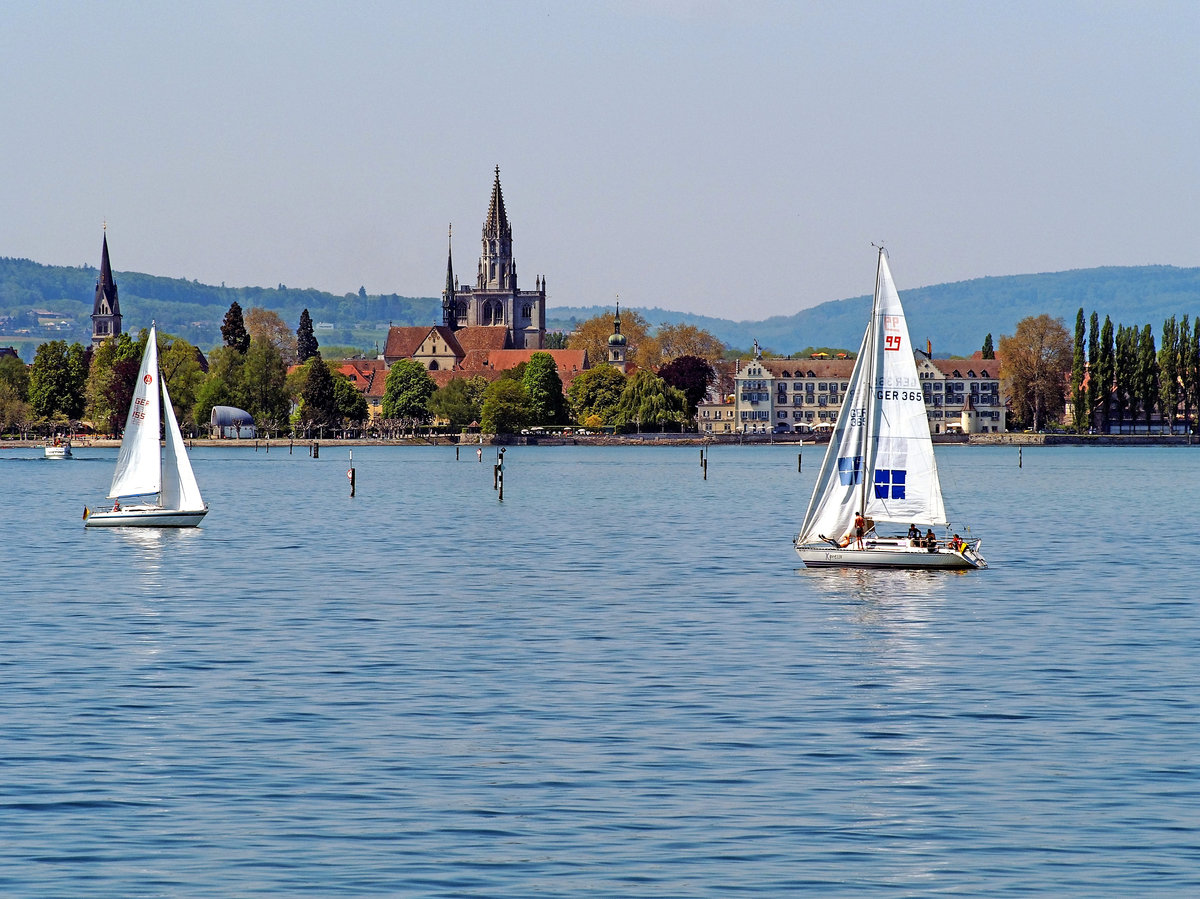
{"x":497,"y":269}
{"x":106,"y":311}
{"x":495,"y":300}
{"x":617,"y":344}
{"x":449,"y":307}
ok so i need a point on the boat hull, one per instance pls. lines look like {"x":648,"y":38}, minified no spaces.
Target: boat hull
{"x":58,"y":452}
{"x":144,"y":518}
{"x":818,"y":555}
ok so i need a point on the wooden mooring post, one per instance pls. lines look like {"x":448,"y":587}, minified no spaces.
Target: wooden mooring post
{"x":350,"y":473}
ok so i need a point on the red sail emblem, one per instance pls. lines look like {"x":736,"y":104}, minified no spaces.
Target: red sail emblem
{"x":149,"y":379}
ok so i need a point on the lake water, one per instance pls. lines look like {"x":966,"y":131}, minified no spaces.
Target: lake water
{"x":617,"y":682}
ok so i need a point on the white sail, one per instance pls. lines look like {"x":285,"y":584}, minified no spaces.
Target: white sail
{"x":138,"y":464}
{"x":880,"y":456}
{"x":905,"y":485}
{"x":179,"y":488}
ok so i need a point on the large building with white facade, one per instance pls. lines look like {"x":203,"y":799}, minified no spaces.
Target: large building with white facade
{"x":783,"y":396}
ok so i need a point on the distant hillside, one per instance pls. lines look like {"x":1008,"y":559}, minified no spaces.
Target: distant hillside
{"x":188,"y":309}
{"x":955,"y":317}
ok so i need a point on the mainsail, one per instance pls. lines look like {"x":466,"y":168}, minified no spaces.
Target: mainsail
{"x":880,"y":457}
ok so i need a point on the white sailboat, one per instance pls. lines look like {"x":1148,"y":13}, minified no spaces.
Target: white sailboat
{"x":880,"y":462}
{"x":151,"y":487}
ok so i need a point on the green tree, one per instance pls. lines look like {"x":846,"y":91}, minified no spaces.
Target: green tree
{"x":1168,"y":367}
{"x":179,"y":361}
{"x":1037,"y":359}
{"x":352,"y":406}
{"x":13,"y":409}
{"x":318,"y":407}
{"x":15,"y":374}
{"x":233,"y":329}
{"x":1078,"y":366}
{"x":1105,"y":373}
{"x":1093,"y":366}
{"x":1147,"y":374}
{"x":306,"y":342}
{"x":264,"y":383}
{"x":989,"y":352}
{"x":692,"y":375}
{"x":555,"y":340}
{"x":505,"y":407}
{"x":596,"y":392}
{"x":648,"y":401}
{"x":1125,"y":373}
{"x":460,"y":401}
{"x":407,"y":391}
{"x":58,"y":380}
{"x":1193,"y":355}
{"x":544,"y":390}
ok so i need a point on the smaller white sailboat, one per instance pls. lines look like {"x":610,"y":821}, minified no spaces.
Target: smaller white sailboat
{"x":879,"y":471}
{"x":152,"y":486}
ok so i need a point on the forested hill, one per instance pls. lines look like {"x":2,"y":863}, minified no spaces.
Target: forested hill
{"x":190,"y":309}
{"x":954,"y":317}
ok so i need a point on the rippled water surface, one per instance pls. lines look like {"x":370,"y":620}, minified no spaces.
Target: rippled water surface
{"x":617,"y":682}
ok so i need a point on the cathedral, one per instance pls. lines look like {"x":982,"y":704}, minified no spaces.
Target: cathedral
{"x":495,"y":301}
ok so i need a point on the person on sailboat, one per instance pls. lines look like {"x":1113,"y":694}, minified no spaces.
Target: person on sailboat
{"x":860,"y":528}
{"x":956,"y":543}
{"x":931,"y":540}
{"x":914,"y":535}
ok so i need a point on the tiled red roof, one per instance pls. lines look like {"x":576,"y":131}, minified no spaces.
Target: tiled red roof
{"x":482,"y":337}
{"x":402,"y":342}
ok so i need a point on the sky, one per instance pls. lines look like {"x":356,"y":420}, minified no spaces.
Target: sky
{"x":734,"y":159}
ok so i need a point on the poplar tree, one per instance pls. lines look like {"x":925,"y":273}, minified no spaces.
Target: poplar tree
{"x":1093,"y":366}
{"x":1168,"y":367}
{"x":1106,"y":373}
{"x":1078,"y":396}
{"x":1147,"y":373}
{"x":989,"y":351}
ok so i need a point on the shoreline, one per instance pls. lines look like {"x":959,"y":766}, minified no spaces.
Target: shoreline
{"x":646,"y":440}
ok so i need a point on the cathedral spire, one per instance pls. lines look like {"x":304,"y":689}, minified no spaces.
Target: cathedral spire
{"x":449,"y":307}
{"x":497,"y":226}
{"x":106,"y":311}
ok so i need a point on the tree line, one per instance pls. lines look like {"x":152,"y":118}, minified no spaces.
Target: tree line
{"x":1105,"y":377}
{"x":68,"y":384}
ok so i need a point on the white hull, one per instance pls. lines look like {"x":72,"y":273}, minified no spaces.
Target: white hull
{"x":149,"y":517}
{"x":882,"y":555}
{"x":62,"y":451}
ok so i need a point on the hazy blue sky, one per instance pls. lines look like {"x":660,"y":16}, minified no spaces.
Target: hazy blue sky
{"x":734,"y":159}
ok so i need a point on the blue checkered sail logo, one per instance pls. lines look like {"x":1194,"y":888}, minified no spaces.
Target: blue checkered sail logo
{"x":889,"y":483}
{"x":850,"y":470}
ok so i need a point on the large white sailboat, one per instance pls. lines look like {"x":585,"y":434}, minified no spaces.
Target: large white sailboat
{"x":879,"y":466}
{"x":152,"y":486}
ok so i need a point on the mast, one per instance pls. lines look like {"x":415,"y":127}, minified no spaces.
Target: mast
{"x":868,"y":430}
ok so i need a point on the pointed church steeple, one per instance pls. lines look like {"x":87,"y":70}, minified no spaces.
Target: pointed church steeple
{"x":106,"y":310}
{"x":449,"y":306}
{"x":497,"y":269}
